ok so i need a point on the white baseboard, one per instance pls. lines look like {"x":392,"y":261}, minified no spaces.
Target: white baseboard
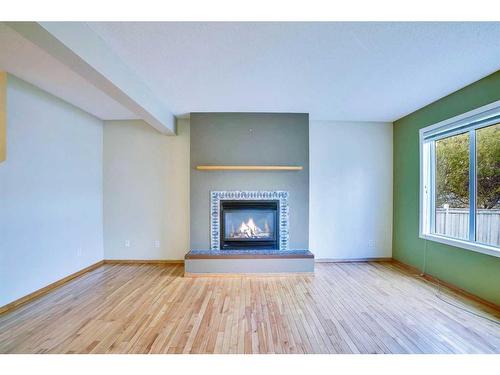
{"x":337,"y":260}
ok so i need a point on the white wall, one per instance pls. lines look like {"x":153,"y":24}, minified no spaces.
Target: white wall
{"x":50,"y":191}
{"x":146,"y":191}
{"x":350,"y":189}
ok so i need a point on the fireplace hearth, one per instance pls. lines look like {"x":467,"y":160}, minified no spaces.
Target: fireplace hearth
{"x":249,"y":224}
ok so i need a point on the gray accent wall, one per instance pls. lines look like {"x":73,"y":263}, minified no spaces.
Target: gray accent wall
{"x":249,"y":139}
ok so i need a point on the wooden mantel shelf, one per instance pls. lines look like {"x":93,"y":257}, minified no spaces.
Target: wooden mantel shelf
{"x":249,"y":167}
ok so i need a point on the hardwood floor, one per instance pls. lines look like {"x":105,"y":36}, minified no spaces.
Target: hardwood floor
{"x":344,"y":308}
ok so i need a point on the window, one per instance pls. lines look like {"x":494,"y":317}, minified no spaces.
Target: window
{"x":452,"y":186}
{"x":460,"y":181}
{"x":488,"y":185}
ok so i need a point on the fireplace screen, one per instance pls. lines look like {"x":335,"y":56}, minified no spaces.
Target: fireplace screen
{"x":249,"y":224}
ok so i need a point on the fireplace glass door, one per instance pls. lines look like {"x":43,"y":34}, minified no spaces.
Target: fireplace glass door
{"x":249,"y":224}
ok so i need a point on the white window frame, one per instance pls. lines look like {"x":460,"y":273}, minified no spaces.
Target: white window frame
{"x":466,"y":122}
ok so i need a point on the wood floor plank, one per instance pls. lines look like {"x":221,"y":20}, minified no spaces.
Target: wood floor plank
{"x":376,"y":307}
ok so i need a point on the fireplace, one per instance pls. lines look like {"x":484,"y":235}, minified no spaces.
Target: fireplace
{"x":249,"y":224}
{"x":249,"y":233}
{"x":248,"y":220}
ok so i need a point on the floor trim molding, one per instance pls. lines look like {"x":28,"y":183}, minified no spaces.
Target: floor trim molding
{"x":143,"y":261}
{"x":46,"y":289}
{"x":454,"y":288}
{"x":353,"y":260}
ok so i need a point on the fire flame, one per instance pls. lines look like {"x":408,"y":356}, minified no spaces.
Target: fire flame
{"x":249,"y":229}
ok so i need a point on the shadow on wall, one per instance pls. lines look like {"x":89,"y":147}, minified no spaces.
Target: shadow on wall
{"x":146,"y":191}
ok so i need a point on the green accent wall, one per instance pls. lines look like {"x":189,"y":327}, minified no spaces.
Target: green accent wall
{"x":474,"y":272}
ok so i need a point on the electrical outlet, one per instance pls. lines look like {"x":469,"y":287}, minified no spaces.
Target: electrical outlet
{"x":127,"y":243}
{"x":79,"y":252}
{"x":371,"y":244}
{"x":156,"y":244}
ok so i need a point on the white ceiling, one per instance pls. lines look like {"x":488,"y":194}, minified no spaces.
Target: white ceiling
{"x":334,"y":71}
{"x":341,"y":71}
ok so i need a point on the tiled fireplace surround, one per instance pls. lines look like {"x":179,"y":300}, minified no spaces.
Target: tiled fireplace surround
{"x":215,"y":205}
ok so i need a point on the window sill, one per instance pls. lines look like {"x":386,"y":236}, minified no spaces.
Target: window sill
{"x":478,"y":248}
